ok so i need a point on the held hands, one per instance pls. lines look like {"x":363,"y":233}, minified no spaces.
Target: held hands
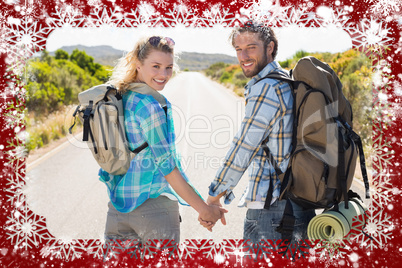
{"x":215,"y":212}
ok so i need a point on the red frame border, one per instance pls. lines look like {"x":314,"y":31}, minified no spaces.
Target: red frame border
{"x":35,"y":257}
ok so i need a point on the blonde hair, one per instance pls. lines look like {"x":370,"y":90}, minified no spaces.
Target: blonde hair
{"x":125,"y":72}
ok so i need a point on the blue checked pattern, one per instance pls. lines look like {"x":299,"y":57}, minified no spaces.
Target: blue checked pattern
{"x":145,"y":120}
{"x":268,"y":112}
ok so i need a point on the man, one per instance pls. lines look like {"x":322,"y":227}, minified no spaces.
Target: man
{"x":268,"y":117}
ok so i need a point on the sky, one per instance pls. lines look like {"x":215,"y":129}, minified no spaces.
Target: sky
{"x":202,"y":40}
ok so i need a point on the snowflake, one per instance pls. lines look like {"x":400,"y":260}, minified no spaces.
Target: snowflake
{"x":259,"y":250}
{"x":217,"y":15}
{"x":95,"y":3}
{"x":178,"y":15}
{"x":382,"y":147}
{"x":211,"y":249}
{"x":46,"y":251}
{"x":26,"y":229}
{"x":385,"y":7}
{"x":371,"y":34}
{"x":104,"y":17}
{"x":115,"y":247}
{"x":377,"y":230}
{"x":293,"y":17}
{"x":165,"y":252}
{"x":188,"y":248}
{"x":147,"y":11}
{"x":328,"y":251}
{"x":171,"y":248}
{"x":69,"y":250}
{"x":265,"y":11}
{"x":26,"y":34}
{"x":239,"y":251}
{"x":381,"y":188}
{"x":161,"y":3}
{"x":294,"y":251}
{"x":340,"y":19}
{"x":133,"y":19}
{"x":65,"y":15}
{"x":15,"y":179}
{"x":19,"y":152}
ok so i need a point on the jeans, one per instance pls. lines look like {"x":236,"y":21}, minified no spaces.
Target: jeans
{"x":156,"y":218}
{"x":261,"y":223}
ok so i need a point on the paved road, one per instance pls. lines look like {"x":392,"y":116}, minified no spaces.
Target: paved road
{"x":63,"y":185}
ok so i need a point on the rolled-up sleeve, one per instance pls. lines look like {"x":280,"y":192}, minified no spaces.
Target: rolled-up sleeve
{"x":153,"y":127}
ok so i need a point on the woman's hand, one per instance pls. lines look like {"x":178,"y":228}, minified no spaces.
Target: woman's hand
{"x":216,"y":207}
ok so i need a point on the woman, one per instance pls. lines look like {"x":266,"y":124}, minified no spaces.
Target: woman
{"x":144,"y":202}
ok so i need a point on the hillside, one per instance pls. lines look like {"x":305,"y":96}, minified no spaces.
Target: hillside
{"x":107,"y":55}
{"x":200,"y":61}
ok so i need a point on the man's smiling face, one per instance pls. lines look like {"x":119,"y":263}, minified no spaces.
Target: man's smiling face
{"x":251,"y":54}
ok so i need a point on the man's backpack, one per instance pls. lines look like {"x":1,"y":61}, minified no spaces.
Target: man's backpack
{"x":324,"y":146}
{"x":102,"y":114}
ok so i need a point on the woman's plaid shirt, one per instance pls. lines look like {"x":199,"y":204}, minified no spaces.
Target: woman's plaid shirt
{"x":145,"y":120}
{"x":268,"y":113}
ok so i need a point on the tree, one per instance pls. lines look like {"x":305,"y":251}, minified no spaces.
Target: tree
{"x":45,"y":57}
{"x":61,"y":55}
{"x":81,"y":59}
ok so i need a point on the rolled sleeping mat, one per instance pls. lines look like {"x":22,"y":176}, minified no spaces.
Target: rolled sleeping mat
{"x":334,"y":224}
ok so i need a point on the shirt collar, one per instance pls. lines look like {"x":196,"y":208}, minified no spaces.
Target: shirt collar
{"x":267,"y":69}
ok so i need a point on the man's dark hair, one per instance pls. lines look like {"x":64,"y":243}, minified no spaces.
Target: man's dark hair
{"x":266,"y":34}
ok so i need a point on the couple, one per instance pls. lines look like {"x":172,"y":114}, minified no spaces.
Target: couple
{"x":144,"y":201}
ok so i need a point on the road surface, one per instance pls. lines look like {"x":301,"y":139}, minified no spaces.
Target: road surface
{"x":63,"y":185}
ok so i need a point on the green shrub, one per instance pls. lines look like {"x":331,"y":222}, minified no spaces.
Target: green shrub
{"x":225,"y":77}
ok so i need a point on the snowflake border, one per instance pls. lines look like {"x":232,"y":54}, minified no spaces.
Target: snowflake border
{"x":24,"y":39}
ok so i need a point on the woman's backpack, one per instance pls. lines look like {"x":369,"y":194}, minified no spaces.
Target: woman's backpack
{"x":101,"y":112}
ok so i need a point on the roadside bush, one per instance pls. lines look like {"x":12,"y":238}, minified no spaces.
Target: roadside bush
{"x":216,"y":70}
{"x":52,"y":84}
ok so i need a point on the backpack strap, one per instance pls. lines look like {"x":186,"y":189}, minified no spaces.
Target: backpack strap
{"x":359,"y":144}
{"x":282,"y":77}
{"x":342,"y":169}
{"x":70,"y":129}
{"x":356,"y":138}
{"x":87,"y":114}
{"x":276,"y":75}
{"x":278,"y":171}
{"x":287,"y":224}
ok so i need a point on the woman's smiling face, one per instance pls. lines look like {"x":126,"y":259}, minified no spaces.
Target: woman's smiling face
{"x":156,"y":70}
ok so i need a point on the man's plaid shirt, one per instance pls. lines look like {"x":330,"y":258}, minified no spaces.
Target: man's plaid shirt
{"x":268,"y":113}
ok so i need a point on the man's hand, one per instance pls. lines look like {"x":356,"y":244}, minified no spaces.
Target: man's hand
{"x":217,"y":213}
{"x":214,"y":202}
